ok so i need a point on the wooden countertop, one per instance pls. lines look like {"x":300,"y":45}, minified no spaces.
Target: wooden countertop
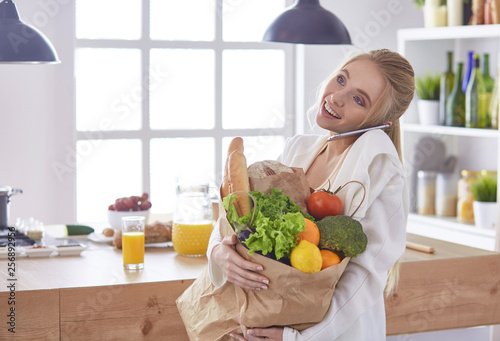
{"x":102,"y":264}
{"x":91,"y":297}
{"x":455,"y":287}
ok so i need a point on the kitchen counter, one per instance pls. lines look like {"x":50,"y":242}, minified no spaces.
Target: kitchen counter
{"x":90,"y":297}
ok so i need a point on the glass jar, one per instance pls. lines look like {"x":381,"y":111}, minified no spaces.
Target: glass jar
{"x":465,"y":212}
{"x":193,"y":220}
{"x":426,"y":192}
{"x":446,"y":194}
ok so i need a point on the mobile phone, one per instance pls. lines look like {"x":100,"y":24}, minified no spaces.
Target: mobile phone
{"x":355,"y":132}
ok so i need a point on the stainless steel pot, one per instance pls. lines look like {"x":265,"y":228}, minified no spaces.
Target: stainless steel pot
{"x":5,"y":193}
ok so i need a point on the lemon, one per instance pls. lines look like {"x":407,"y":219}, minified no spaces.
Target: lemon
{"x":306,"y":257}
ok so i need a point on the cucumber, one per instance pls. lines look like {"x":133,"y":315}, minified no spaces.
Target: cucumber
{"x":76,"y":230}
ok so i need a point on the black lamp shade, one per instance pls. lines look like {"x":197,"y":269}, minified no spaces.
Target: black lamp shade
{"x":307,"y":23}
{"x":21,"y":43}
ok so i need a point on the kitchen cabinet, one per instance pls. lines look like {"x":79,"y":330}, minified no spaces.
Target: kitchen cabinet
{"x":91,"y":297}
{"x":475,"y":149}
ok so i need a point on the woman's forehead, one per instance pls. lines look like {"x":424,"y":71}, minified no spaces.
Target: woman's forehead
{"x":364,"y":74}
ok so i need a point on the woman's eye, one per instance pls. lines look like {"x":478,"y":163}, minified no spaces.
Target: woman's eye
{"x":340,"y":80}
{"x":358,"y":100}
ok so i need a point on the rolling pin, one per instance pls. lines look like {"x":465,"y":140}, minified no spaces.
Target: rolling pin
{"x":419,"y":247}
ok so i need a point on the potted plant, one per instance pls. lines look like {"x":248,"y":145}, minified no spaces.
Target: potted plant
{"x":484,"y":189}
{"x":428,"y":89}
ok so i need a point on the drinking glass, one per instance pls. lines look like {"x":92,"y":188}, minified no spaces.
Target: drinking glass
{"x":133,"y":242}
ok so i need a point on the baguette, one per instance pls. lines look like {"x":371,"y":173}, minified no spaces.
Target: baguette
{"x":236,"y":144}
{"x":238,"y":181}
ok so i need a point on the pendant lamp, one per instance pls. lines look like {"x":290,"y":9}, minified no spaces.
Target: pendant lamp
{"x":307,"y":23}
{"x":21,"y":43}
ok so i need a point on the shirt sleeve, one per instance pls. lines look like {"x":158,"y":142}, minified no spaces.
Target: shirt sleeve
{"x":216,"y":274}
{"x":362,"y":283}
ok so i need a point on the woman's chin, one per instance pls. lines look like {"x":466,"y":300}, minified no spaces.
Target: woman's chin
{"x":325,"y":123}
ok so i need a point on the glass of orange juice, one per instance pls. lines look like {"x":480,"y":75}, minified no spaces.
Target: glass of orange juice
{"x":133,"y":242}
{"x":193,"y":220}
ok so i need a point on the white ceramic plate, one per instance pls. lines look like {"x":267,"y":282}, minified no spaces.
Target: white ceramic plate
{"x":39,"y":252}
{"x":99,"y":238}
{"x":68,"y":250}
{"x":4,"y":254}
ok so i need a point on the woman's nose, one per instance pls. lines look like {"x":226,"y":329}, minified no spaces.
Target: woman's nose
{"x":338,"y":98}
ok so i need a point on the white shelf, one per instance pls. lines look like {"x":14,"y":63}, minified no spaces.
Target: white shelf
{"x":449,"y":32}
{"x":450,"y":223}
{"x":450,"y":230}
{"x":445,"y":130}
{"x":425,"y":48}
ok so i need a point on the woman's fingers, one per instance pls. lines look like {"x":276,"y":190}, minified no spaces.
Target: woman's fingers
{"x":238,"y":270}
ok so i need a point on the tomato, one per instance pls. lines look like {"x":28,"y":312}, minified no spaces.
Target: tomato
{"x":323,"y":203}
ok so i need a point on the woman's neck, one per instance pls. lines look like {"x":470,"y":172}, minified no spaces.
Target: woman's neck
{"x":337,"y":147}
{"x":327,"y":161}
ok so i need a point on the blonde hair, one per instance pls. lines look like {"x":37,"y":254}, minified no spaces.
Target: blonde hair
{"x":394,"y":101}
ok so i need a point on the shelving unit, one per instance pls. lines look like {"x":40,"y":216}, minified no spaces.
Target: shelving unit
{"x":475,"y":149}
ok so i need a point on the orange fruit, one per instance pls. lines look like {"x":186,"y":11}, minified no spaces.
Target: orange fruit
{"x":311,"y":233}
{"x":329,"y":258}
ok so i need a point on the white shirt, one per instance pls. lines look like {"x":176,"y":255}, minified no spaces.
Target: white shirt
{"x":357,"y":310}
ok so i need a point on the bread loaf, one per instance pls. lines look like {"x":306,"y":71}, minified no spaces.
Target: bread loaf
{"x":153,"y":233}
{"x":238,"y":182}
{"x":236,"y":144}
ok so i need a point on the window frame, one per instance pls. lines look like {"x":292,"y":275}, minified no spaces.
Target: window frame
{"x":146,"y":134}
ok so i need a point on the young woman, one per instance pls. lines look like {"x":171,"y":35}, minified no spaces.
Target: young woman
{"x":368,"y":90}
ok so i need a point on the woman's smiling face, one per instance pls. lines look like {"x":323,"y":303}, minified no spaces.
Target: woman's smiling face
{"x":349,"y":96}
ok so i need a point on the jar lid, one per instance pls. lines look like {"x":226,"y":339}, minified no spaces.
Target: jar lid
{"x":5,"y":190}
{"x":467,"y":172}
{"x":426,"y":174}
{"x":485,"y":172}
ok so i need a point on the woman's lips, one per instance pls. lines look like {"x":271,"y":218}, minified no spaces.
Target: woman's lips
{"x":328,"y":112}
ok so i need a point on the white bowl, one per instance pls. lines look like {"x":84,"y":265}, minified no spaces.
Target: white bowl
{"x":39,"y":252}
{"x":115,"y":217}
{"x":68,"y":250}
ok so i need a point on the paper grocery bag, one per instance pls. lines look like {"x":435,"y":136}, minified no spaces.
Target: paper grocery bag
{"x":294,"y":298}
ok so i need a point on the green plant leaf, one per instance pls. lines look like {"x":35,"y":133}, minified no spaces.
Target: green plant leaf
{"x":428,"y":87}
{"x":485,"y":188}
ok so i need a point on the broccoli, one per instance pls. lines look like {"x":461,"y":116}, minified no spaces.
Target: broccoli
{"x":342,"y":233}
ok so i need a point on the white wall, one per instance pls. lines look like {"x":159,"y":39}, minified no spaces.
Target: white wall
{"x":36,"y":120}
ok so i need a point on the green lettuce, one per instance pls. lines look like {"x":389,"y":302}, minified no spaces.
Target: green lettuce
{"x":277,"y":222}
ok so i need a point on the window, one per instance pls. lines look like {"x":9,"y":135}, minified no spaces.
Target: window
{"x":163,"y":86}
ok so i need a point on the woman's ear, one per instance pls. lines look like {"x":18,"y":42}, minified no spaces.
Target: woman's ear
{"x":388,"y":122}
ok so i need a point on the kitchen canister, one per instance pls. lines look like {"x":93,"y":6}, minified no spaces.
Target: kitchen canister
{"x":426,"y":192}
{"x":446,"y":194}
{"x":5,"y":194}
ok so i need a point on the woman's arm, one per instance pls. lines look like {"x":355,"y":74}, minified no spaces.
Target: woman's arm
{"x":225,"y":264}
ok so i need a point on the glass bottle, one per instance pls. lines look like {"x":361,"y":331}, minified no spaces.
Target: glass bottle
{"x":465,"y":212}
{"x":475,"y":99}
{"x":494,"y":104}
{"x":468,"y":71}
{"x":446,"y":86}
{"x":489,"y":84}
{"x":455,"y":106}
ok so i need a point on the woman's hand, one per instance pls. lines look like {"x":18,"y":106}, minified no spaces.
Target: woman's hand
{"x":237,"y":269}
{"x":257,"y":334}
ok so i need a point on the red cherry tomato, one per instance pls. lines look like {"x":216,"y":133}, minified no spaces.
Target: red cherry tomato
{"x":323,"y":203}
